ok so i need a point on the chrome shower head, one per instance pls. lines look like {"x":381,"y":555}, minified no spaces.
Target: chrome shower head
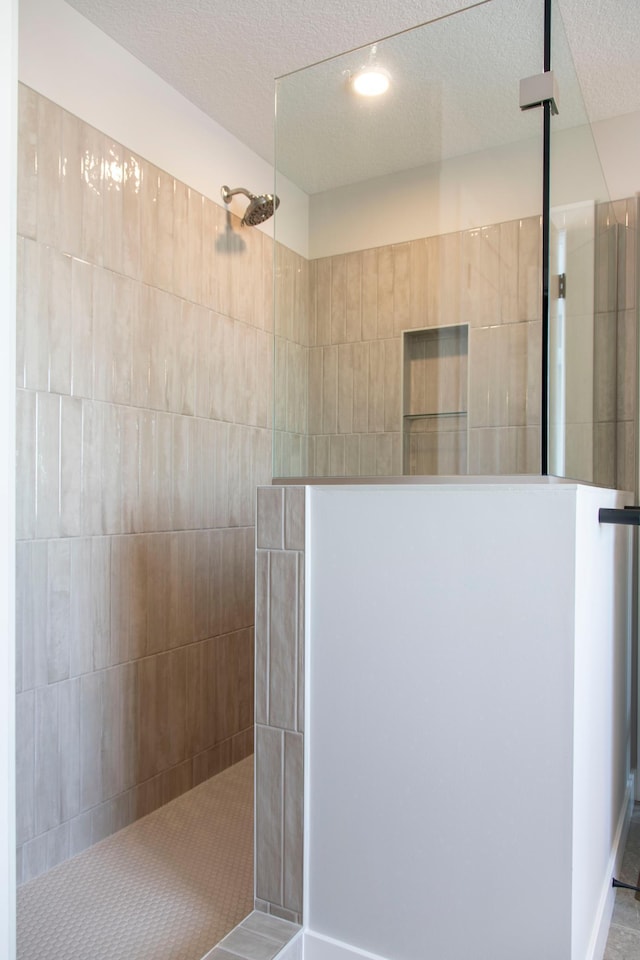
{"x":259,"y":209}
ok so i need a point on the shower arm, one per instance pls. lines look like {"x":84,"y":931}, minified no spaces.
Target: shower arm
{"x":227,"y":193}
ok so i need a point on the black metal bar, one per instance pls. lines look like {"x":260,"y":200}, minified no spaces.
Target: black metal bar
{"x":630,"y":516}
{"x":624,"y":886}
{"x":547,"y":35}
{"x":546,"y":226}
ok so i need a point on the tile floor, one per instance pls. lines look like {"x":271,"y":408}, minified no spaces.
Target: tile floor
{"x":168,"y":887}
{"x":623,"y":942}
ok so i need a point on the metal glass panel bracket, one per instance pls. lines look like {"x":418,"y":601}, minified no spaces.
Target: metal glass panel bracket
{"x":542,"y":88}
{"x":630,"y":516}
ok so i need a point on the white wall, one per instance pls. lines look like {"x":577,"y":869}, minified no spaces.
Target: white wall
{"x":440,"y":670}
{"x":69,"y":60}
{"x":601,"y":760}
{"x":478,"y":189}
{"x":618,"y":143}
{"x":8,"y":136}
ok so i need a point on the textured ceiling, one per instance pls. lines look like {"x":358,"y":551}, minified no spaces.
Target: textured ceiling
{"x":224,"y":56}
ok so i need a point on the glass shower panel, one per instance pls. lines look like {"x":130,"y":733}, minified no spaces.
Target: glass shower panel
{"x":591,"y":435}
{"x":408,"y":339}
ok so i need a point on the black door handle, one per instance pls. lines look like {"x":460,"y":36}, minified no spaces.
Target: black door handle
{"x":628,"y":515}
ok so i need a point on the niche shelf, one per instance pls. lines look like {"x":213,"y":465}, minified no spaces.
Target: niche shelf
{"x":434,"y":421}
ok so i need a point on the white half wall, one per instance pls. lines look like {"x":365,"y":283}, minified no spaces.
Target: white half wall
{"x":8,"y":168}
{"x":67,"y":59}
{"x":448,"y":627}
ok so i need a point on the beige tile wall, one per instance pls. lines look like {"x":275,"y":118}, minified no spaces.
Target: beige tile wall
{"x":291,"y":363}
{"x":280,"y":700}
{"x":360,"y":303}
{"x":144,"y":425}
{"x":615,"y":377}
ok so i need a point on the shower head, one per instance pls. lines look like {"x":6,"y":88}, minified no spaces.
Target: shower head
{"x":259,"y":209}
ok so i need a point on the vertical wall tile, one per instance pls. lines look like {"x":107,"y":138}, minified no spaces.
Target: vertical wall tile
{"x":294,"y":525}
{"x":401,"y":287}
{"x":195,"y":213}
{"x":25,"y":464}
{"x":25,"y":766}
{"x":125,"y":312}
{"x":32,"y":578}
{"x":47,"y":770}
{"x":283,"y":645}
{"x":293,"y":820}
{"x":100,"y":626}
{"x":69,"y":748}
{"x":529,"y":282}
{"x":392,"y":375}
{"x":181,"y":588}
{"x":262,"y":636}
{"x":80,"y":608}
{"x":337,"y":456}
{"x":27,"y":212}
{"x":354,"y":297}
{"x":49,"y":171}
{"x":111,"y":465}
{"x":81,"y":329}
{"x":58,"y":294}
{"x":352,"y":455}
{"x":94,"y":170}
{"x":34,"y":338}
{"x":316,"y":356}
{"x":330,"y":390}
{"x":419,"y":262}
{"x":131,"y":190}
{"x":376,"y":386}
{"x":338,"y":299}
{"x":202,"y":362}
{"x":48,"y":465}
{"x":112,"y":206}
{"x":21,"y":357}
{"x":71,"y":186}
{"x":345,"y":388}
{"x":384,"y":455}
{"x":92,"y":480}
{"x":269,"y":799}
{"x":130,"y":519}
{"x":369,"y":294}
{"x":361,"y":387}
{"x":385,"y":292}
{"x":508,"y":270}
{"x":270,"y":524}
{"x":102,"y":340}
{"x":164,"y":470}
{"x":58,"y":610}
{"x":162,"y":269}
{"x":70,"y":467}
{"x":323,"y":301}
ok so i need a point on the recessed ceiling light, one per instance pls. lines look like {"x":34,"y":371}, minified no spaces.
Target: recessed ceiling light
{"x":370,"y":82}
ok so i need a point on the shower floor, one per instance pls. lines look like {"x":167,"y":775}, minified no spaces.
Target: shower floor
{"x":168,"y":887}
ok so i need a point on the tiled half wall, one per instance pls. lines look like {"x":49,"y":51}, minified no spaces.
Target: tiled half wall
{"x":144,"y":375}
{"x":280,"y":538}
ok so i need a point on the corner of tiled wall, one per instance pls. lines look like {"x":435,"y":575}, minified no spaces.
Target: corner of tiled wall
{"x":280,"y":543}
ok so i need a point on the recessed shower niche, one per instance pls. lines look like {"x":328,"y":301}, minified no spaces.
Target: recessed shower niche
{"x":435,"y":400}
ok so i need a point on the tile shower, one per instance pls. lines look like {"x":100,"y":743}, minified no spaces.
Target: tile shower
{"x":145,"y":378}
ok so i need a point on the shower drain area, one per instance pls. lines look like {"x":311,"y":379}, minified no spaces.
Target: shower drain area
{"x":169,"y":887}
